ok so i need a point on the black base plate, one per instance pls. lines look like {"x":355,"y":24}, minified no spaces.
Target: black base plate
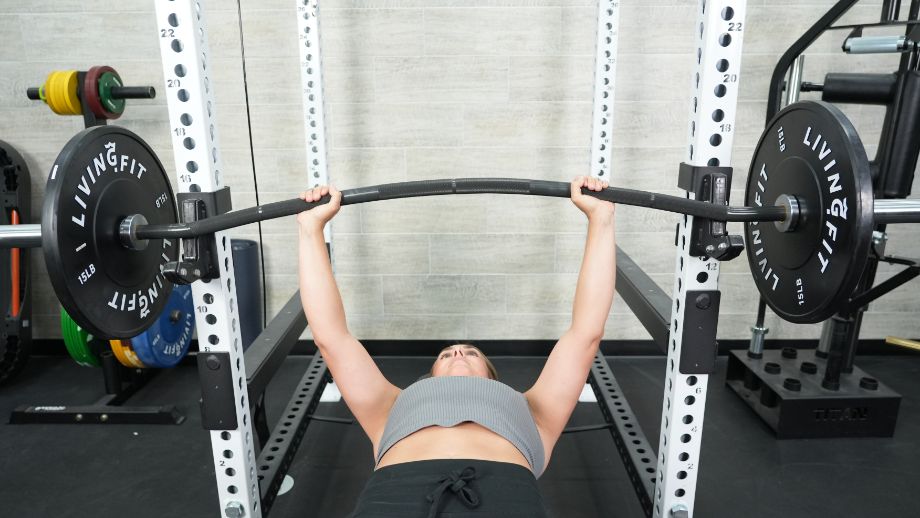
{"x":96,"y":414}
{"x":110,"y":408}
{"x":813,"y":411}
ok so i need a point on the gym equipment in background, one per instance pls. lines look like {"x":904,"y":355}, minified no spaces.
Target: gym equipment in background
{"x":821,"y":393}
{"x":15,"y":285}
{"x":127,"y":366}
{"x":98,"y":94}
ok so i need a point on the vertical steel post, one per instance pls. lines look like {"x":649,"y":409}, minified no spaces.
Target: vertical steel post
{"x":719,"y":31}
{"x":186,"y":58}
{"x":605,"y":67}
{"x":311,"y":77}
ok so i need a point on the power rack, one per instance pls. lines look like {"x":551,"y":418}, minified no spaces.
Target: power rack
{"x":249,"y":468}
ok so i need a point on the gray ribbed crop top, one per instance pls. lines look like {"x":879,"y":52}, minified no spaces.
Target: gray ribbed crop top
{"x":450,"y":400}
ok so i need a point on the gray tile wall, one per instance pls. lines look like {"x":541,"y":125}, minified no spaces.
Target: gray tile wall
{"x":420,"y":89}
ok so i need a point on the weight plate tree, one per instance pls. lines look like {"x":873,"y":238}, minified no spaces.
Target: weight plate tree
{"x":103,"y":175}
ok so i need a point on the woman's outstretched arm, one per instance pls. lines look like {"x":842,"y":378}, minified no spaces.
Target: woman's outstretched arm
{"x":368,"y":394}
{"x":554,"y":395}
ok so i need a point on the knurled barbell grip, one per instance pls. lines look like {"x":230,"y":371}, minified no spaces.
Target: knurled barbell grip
{"x":462,"y":186}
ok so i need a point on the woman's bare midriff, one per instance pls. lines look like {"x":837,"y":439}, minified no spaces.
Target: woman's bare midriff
{"x":464,"y":441}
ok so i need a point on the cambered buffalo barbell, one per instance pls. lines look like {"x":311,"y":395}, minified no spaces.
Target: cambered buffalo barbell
{"x":110,"y":230}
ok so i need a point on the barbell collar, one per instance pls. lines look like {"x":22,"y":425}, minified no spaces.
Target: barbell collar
{"x":393,"y":191}
{"x":790,"y":205}
{"x":127,"y":232}
{"x":20,"y":236}
{"x":896,"y":211}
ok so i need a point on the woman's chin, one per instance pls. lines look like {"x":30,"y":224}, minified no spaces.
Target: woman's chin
{"x":462,"y":371}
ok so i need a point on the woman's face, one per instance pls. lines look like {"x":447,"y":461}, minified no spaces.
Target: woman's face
{"x":460,"y":360}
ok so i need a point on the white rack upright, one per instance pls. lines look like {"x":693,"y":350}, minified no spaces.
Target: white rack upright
{"x":719,"y":29}
{"x":605,"y":71}
{"x":311,"y":78}
{"x":193,"y":127}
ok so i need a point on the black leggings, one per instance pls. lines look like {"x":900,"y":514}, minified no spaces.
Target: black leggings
{"x":451,"y":488}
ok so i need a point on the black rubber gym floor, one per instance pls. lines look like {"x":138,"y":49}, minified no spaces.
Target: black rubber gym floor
{"x":165,"y":471}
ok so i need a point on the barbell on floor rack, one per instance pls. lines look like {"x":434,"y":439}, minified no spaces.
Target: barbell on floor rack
{"x":109,"y":219}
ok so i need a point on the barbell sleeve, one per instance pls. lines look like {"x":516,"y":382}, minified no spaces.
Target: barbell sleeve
{"x":392,"y":191}
{"x":20,"y":236}
{"x":897,"y":211}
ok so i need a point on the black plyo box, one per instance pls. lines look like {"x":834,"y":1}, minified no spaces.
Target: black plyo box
{"x":812,"y":411}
